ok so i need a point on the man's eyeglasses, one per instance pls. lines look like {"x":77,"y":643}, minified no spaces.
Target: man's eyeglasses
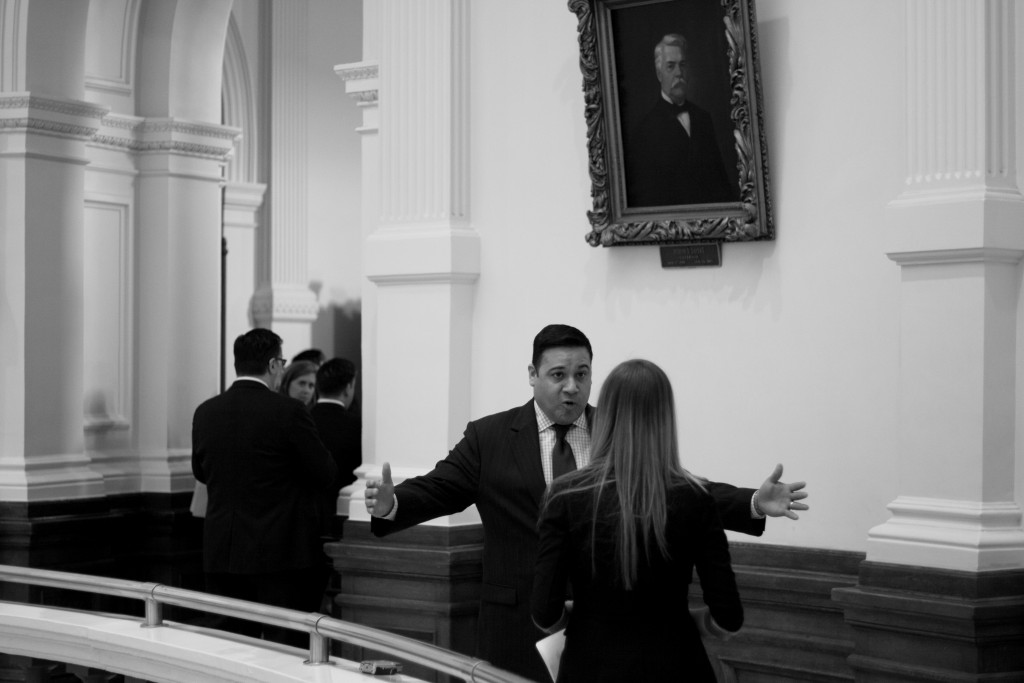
{"x":279,"y":360}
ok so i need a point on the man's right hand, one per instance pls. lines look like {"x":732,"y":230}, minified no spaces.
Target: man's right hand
{"x":380,"y":493}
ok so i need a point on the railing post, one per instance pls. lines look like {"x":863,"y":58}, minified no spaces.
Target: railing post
{"x":154,"y":613}
{"x":319,"y":649}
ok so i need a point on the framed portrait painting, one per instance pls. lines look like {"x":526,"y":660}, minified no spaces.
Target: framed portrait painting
{"x":675,"y":129}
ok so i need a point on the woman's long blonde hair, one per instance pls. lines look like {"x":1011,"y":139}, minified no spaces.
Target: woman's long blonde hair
{"x":635,"y":447}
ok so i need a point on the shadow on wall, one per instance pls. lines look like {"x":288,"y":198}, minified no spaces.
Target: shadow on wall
{"x":338,"y":331}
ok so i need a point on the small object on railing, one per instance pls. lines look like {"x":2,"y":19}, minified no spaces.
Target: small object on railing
{"x":380,"y":667}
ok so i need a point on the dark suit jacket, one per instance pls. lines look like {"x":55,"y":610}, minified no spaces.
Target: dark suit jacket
{"x":497,"y":466}
{"x":266,"y":470}
{"x":342,"y":433}
{"x":644,"y":634}
{"x":666,"y":167}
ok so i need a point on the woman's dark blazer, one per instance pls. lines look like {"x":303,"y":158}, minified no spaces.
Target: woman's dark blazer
{"x":644,"y":634}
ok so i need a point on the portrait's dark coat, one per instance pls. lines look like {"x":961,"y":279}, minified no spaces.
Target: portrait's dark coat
{"x":665,"y":166}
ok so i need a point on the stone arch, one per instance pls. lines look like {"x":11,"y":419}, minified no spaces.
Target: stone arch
{"x":239,"y":107}
{"x":181,"y":59}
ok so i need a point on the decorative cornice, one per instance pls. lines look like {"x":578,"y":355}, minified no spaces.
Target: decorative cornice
{"x":188,"y":138}
{"x":284,"y":303}
{"x":361,"y":81}
{"x":357,"y":71}
{"x":24,"y":112}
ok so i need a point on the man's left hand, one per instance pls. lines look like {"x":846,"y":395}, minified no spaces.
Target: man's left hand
{"x":776,"y":498}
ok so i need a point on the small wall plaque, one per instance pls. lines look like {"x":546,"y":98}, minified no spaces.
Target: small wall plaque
{"x":688,"y":255}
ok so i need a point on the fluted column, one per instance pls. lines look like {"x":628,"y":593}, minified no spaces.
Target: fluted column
{"x":422,"y":261}
{"x":283,"y":300}
{"x":423,"y":255}
{"x":957,"y":233}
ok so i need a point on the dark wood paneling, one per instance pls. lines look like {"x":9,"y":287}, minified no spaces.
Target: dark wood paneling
{"x":143,"y":537}
{"x":792,"y":630}
{"x":923,"y":624}
{"x":423,"y":583}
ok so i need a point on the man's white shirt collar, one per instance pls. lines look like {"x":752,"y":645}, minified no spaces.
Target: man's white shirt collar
{"x":331,"y":400}
{"x":249,"y":378}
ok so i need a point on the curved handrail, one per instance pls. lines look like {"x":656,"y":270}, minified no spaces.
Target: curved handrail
{"x":321,"y":628}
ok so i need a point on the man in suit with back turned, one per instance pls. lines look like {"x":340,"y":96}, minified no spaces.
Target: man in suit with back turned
{"x":342,"y":433}
{"x":503,"y":464}
{"x":266,"y":469}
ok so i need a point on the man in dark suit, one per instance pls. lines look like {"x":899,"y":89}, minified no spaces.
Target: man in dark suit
{"x":672,"y":155}
{"x":342,"y":433}
{"x":340,"y":430}
{"x":265,"y":468}
{"x":503,"y":464}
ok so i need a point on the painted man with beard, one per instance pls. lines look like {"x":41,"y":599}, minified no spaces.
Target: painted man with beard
{"x":672,"y":155}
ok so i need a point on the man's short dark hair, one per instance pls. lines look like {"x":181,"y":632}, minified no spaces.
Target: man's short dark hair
{"x":312,"y":355}
{"x":254,"y":350}
{"x":554,"y":336}
{"x":334,"y":375}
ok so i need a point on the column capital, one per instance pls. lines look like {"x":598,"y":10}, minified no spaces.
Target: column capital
{"x":362,"y":81}
{"x":26,"y":112}
{"x":283,"y":303}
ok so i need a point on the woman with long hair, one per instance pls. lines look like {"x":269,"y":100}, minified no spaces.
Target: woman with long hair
{"x":299,"y":382}
{"x":624,"y":535}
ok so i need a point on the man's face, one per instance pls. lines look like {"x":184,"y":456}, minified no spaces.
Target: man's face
{"x":672,"y":73}
{"x":561,"y":383}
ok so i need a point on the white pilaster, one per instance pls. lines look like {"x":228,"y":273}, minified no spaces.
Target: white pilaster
{"x":283,"y":300}
{"x":957,"y":233}
{"x":423,"y":255}
{"x":42,"y":168}
{"x":179,"y":270}
{"x":242,"y":203}
{"x":362,"y":84}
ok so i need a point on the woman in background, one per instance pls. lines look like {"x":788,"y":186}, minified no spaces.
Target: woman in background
{"x":299,"y":382}
{"x":624,"y":535}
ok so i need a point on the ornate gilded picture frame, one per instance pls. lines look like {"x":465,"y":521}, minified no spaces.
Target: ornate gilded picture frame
{"x":675,"y":129}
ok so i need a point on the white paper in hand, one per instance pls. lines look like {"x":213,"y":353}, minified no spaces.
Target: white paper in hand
{"x":550,"y":650}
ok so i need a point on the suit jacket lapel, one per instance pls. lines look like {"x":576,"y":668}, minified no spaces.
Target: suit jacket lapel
{"x":525,"y":447}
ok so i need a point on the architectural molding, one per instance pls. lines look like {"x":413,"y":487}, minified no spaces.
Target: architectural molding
{"x":242,"y":202}
{"x":362,"y":81}
{"x":187,"y":138}
{"x":283,"y":303}
{"x":25,"y":112}
{"x":61,"y":476}
{"x":955,"y":534}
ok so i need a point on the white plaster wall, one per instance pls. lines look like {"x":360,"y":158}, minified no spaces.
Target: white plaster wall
{"x":786,"y":353}
{"x":335,"y":227}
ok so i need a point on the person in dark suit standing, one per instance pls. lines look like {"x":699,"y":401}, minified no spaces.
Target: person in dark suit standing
{"x":342,"y":433}
{"x":624,"y":535}
{"x":340,"y":430}
{"x":672,"y":155}
{"x":266,"y":471}
{"x":503,"y":464}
